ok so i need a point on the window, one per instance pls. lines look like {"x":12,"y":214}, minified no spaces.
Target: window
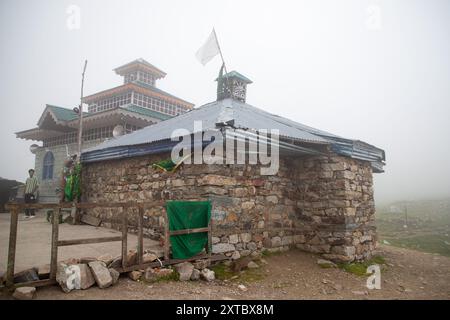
{"x":47,"y":170}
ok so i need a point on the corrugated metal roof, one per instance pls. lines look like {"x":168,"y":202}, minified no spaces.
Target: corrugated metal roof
{"x":238,"y":116}
{"x":224,"y":111}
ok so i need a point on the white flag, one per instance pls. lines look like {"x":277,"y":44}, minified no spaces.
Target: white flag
{"x":209,"y":50}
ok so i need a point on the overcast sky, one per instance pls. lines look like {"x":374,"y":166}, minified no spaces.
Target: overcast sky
{"x":378,"y":71}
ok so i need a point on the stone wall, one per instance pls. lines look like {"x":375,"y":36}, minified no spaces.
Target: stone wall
{"x":319,"y":204}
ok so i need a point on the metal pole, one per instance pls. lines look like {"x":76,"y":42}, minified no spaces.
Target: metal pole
{"x":80,"y":126}
{"x":220,"y":51}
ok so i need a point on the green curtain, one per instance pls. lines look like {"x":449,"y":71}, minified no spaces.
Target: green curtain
{"x":188,"y":215}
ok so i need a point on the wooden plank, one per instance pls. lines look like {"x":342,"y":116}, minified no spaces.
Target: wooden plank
{"x":209,"y":249}
{"x":188,"y":231}
{"x":124,"y":237}
{"x":140,"y":244}
{"x":155,"y":264}
{"x":166,"y":236}
{"x":90,"y":220}
{"x":54,"y":247}
{"x":12,"y":247}
{"x":62,"y":243}
{"x":38,"y":283}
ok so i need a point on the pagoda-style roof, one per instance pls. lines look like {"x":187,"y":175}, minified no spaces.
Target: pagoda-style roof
{"x":139,"y":87}
{"x":140,"y":64}
{"x":57,"y":120}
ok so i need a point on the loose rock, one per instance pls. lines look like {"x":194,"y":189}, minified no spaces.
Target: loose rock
{"x":24,"y":293}
{"x":195,"y":275}
{"x":101,"y":274}
{"x":116,"y":263}
{"x":106,"y":258}
{"x":252,"y":265}
{"x":153,"y":274}
{"x":185,"y":270}
{"x":207,"y":275}
{"x":149,"y":257}
{"x":114,"y":275}
{"x":135,"y":275}
{"x":242,"y":287}
{"x":26,"y":275}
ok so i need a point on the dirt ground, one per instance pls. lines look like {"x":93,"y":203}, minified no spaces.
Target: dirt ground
{"x":407,"y":274}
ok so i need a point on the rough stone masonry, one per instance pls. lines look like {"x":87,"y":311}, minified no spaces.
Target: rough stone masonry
{"x":320,"y":204}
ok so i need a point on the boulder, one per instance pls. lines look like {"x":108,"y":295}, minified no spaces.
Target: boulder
{"x":252,"y":265}
{"x":184,"y":270}
{"x":207,"y":275}
{"x":114,"y":275}
{"x":135,"y":275}
{"x":195,"y":275}
{"x":75,"y":276}
{"x":86,"y":278}
{"x":24,"y":293}
{"x":101,"y":274}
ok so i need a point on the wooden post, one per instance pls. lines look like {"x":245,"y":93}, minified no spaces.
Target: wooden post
{"x":54,"y":249}
{"x":166,"y":236}
{"x":12,"y":246}
{"x":140,"y":244}
{"x":124,"y":237}
{"x":209,"y":250}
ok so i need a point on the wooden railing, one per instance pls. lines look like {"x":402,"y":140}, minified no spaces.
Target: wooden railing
{"x":15,"y":208}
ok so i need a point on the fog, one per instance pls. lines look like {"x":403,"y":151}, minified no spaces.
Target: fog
{"x":372,"y":70}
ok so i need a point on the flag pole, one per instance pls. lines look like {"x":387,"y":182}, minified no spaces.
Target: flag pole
{"x":220,"y":51}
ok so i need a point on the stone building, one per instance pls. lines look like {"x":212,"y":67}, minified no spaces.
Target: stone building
{"x":319,"y":200}
{"x":135,"y":104}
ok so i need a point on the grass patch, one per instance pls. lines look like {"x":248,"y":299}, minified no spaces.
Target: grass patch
{"x":431,"y":243}
{"x":223,"y":272}
{"x":360,"y":268}
{"x":174,"y":276}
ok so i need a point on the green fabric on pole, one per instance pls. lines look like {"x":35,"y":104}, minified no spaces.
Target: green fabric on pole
{"x":188,"y":215}
{"x":72,"y":190}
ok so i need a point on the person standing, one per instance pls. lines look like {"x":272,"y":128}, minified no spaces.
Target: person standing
{"x":31,"y":189}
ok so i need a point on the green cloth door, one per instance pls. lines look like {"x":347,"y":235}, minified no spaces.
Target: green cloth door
{"x":188,"y":215}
